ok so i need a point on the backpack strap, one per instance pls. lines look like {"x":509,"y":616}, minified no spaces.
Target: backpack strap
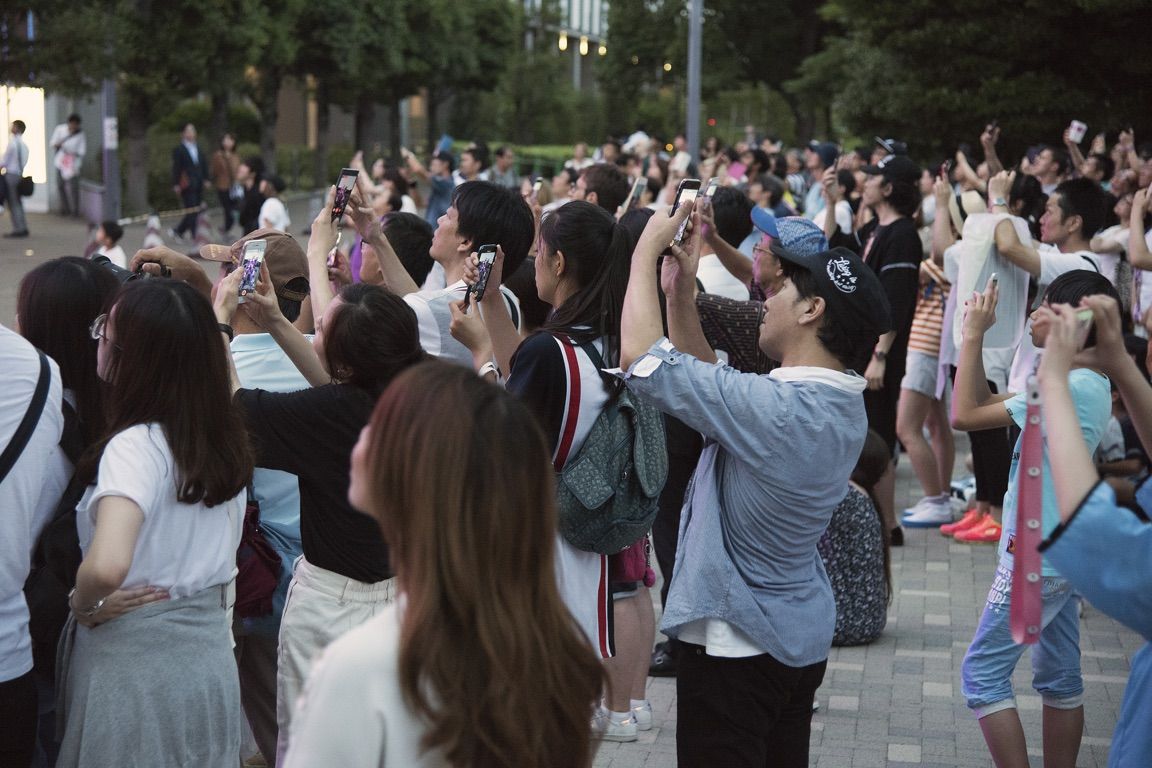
{"x":572,"y":408}
{"x":31,"y":418}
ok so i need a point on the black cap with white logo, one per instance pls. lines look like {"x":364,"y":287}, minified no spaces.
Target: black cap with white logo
{"x":851,"y":291}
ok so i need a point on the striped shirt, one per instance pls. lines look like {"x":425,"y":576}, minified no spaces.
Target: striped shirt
{"x":928,"y":319}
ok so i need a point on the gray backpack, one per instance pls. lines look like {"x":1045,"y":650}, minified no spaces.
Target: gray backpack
{"x":609,"y":491}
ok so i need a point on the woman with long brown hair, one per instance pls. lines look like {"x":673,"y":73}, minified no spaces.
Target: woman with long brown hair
{"x":478,"y":663}
{"x":157,"y":684}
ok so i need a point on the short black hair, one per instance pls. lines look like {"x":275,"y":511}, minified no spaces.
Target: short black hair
{"x":851,"y":349}
{"x":19,"y":126}
{"x":733,"y":214}
{"x":73,"y":118}
{"x":846,"y":179}
{"x":113,"y":230}
{"x":1106,"y":164}
{"x":489,"y":213}
{"x":609,"y":183}
{"x":905,"y":197}
{"x":1072,"y":287}
{"x":411,"y":238}
{"x":1059,"y":157}
{"x":773,"y":185}
{"x":1086,"y":199}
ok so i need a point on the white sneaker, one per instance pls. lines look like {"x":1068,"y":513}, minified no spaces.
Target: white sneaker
{"x":605,"y":726}
{"x":642,"y":714}
{"x":931,"y":514}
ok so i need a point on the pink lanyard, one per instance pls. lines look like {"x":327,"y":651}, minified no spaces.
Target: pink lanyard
{"x":1027,"y":604}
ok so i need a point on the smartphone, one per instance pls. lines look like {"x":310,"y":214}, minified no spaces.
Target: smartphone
{"x":636,"y":193}
{"x":344,"y":186}
{"x":1083,"y":326}
{"x":536,"y":188}
{"x":945,"y":169}
{"x":486,"y":257}
{"x":710,"y":190}
{"x":250,"y":262}
{"x":686,"y":192}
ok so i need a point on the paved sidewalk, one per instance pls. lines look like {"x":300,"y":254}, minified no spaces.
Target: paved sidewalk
{"x":897,"y":702}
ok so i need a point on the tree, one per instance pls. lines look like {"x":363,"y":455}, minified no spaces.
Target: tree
{"x":935,"y":74}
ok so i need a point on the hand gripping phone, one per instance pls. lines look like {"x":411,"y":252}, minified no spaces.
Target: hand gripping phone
{"x":686,"y":192}
{"x":486,"y":257}
{"x":344,"y":186}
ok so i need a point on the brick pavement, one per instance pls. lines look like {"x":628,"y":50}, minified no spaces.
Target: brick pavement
{"x":896,"y":702}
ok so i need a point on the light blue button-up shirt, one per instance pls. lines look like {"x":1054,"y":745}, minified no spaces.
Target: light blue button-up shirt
{"x":778,"y":454}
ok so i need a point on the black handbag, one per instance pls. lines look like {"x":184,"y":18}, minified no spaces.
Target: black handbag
{"x":26,"y":186}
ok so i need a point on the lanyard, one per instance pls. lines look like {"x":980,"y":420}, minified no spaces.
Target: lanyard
{"x":1027,"y":600}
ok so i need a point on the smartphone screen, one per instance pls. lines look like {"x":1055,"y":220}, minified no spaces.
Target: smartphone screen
{"x":344,"y":186}
{"x":686,"y":192}
{"x":713,"y":185}
{"x":1084,"y":319}
{"x":536,"y":188}
{"x":250,"y":262}
{"x":487,"y":257}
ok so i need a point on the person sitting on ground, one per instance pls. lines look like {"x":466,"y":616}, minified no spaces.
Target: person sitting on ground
{"x":855,"y":553}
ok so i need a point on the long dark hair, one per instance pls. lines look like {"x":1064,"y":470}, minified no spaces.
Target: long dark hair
{"x":168,"y":367}
{"x":597,"y":257}
{"x":373,"y":334}
{"x":56,"y":304}
{"x":489,"y":655}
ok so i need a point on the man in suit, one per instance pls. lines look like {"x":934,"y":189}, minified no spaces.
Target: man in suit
{"x":189,"y":175}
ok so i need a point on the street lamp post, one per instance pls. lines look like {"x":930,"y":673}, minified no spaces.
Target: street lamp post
{"x":695,"y":21}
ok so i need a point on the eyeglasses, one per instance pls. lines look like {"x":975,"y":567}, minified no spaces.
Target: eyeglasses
{"x":97,"y":330}
{"x":762,"y":249}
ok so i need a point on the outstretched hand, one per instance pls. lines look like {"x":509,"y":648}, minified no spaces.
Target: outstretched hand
{"x":980,"y":311}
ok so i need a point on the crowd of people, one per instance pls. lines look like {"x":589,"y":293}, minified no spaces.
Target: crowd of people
{"x":332,"y":506}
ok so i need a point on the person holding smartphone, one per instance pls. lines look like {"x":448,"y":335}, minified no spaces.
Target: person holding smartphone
{"x":754,"y":612}
{"x":365,"y":336}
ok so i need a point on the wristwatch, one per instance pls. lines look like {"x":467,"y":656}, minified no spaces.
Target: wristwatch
{"x":999,"y":202}
{"x":86,"y":612}
{"x":880,"y":356}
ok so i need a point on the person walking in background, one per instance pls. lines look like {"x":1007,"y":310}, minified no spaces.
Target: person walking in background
{"x":189,"y":175}
{"x":70,"y":146}
{"x":15,"y":158}
{"x":225,"y":163}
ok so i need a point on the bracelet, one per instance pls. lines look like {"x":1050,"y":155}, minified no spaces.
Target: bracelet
{"x":999,"y":202}
{"x":880,"y":356}
{"x":490,"y":367}
{"x":86,"y":612}
{"x":227,"y":329}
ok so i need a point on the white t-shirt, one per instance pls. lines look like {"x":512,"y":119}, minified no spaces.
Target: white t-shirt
{"x":352,"y":712}
{"x":843,"y":216}
{"x":115,"y":255}
{"x":274,"y":215}
{"x":22,"y":492}
{"x":434,"y":317}
{"x":716,"y":278}
{"x":1053,"y":263}
{"x":182,"y":548}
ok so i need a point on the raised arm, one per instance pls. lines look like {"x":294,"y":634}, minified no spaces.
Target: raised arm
{"x":988,"y":140}
{"x":1073,"y":473}
{"x":942,"y":235}
{"x":737,"y":264}
{"x":974,"y":406}
{"x":503,"y":336}
{"x":1138,"y":253}
{"x":396,"y":278}
{"x":640,"y":323}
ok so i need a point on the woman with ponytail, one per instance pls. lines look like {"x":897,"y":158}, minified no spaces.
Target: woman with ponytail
{"x":365,"y":337}
{"x":582,"y":264}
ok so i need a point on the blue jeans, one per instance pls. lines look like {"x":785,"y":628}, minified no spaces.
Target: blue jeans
{"x":986,"y":675}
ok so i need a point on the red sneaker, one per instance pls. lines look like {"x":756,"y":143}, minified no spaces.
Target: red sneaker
{"x":971,"y":518}
{"x":987,"y":532}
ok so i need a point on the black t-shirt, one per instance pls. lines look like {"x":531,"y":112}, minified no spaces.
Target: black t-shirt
{"x":311,"y":434}
{"x":894,"y":254}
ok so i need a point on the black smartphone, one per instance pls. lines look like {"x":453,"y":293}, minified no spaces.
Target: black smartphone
{"x":250,"y":262}
{"x":686,"y":192}
{"x":344,"y":186}
{"x":486,"y":257}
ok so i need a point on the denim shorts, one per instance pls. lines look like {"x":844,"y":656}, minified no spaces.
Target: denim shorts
{"x":986,"y":675}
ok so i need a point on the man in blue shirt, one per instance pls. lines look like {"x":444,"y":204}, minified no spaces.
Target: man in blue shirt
{"x":750,"y":599}
{"x":440,"y":183}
